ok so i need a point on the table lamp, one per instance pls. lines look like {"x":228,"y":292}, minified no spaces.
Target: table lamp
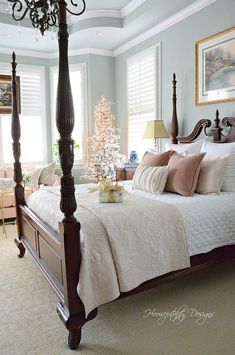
{"x":156,"y":130}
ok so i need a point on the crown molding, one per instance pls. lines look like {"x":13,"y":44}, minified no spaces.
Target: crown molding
{"x":83,"y":51}
{"x":53,"y":55}
{"x":132,"y":6}
{"x":25,"y":53}
{"x":99,"y":13}
{"x":90,"y":14}
{"x":170,"y":21}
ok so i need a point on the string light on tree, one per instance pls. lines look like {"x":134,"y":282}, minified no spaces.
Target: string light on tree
{"x":104,"y":147}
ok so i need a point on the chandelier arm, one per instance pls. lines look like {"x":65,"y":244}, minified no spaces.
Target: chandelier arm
{"x":18,"y":7}
{"x":75,"y":5}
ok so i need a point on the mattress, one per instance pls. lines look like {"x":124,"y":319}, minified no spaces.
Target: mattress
{"x":209,"y":220}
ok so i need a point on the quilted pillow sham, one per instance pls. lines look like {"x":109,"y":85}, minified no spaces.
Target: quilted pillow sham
{"x":150,"y":178}
{"x":183,"y":173}
{"x":212,"y":174}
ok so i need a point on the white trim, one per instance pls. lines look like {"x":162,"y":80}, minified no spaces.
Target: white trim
{"x":132,"y":6}
{"x":90,"y":14}
{"x":99,"y":13}
{"x":52,"y":55}
{"x":25,"y":53}
{"x":170,"y":21}
{"x":83,"y":51}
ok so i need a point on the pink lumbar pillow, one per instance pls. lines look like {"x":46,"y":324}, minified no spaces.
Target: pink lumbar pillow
{"x":183,"y":173}
{"x":152,"y":158}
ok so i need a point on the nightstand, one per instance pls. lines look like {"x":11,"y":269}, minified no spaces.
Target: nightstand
{"x":125,"y":173}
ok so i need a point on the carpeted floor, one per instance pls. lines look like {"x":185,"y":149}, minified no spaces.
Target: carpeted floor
{"x":29,"y":323}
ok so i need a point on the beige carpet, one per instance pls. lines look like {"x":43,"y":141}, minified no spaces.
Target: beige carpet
{"x":29,"y":323}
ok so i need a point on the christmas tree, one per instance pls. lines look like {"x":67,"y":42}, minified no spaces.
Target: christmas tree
{"x":103,"y":147}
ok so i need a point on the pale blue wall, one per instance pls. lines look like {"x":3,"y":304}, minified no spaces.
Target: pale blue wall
{"x":178,"y":43}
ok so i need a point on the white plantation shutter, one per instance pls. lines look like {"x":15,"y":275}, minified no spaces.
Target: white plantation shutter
{"x":32,"y":117}
{"x":141,"y":82}
{"x":31,"y":92}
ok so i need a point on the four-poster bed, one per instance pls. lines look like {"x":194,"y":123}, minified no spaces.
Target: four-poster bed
{"x":59,"y":255}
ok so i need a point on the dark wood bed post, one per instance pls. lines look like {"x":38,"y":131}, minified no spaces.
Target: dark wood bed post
{"x":71,"y":311}
{"x":174,"y":123}
{"x":16,"y":133}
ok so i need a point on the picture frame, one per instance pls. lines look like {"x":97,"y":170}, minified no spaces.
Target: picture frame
{"x":215,"y":68}
{"x":6,"y":94}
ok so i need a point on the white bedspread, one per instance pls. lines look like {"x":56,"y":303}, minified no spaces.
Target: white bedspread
{"x":209,"y":222}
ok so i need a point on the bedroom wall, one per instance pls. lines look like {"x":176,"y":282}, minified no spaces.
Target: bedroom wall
{"x":178,"y":56}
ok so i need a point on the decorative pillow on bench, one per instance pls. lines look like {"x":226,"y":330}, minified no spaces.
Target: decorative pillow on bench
{"x":6,"y":183}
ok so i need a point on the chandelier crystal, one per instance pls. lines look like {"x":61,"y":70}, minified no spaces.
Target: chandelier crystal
{"x":43,"y":13}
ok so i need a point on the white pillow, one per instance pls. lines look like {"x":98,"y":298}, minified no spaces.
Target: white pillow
{"x":212,"y":174}
{"x":150,"y":178}
{"x":189,"y":148}
{"x":34,"y":178}
{"x":6,"y":183}
{"x":218,"y":150}
{"x":47,"y":174}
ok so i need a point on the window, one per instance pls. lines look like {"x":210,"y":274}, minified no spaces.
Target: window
{"x":143,"y":81}
{"x":32,"y":118}
{"x":78,"y":85}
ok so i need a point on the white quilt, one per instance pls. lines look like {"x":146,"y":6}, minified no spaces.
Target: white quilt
{"x":209,"y":222}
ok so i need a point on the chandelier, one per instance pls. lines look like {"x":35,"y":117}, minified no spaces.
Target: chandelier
{"x":44,"y":13}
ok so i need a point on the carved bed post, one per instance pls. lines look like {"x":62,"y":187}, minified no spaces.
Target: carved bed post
{"x":16,"y":133}
{"x":72,"y":310}
{"x":174,"y":124}
{"x":216,"y":131}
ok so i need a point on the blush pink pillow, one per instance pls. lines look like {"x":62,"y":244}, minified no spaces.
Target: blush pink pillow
{"x":183,"y":173}
{"x":151,"y":158}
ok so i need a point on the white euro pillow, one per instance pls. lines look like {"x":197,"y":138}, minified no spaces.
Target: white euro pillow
{"x":218,"y":150}
{"x":189,"y":148}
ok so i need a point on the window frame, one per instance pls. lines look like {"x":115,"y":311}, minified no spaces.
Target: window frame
{"x":27,"y":68}
{"x":72,"y":67}
{"x":157,"y":84}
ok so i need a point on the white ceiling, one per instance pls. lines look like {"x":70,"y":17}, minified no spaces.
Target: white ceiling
{"x":106,"y":24}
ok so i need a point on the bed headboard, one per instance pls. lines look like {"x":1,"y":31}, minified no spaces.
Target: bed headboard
{"x":227,"y":124}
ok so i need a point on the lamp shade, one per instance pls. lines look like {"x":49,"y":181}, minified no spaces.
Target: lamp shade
{"x":155,"y":129}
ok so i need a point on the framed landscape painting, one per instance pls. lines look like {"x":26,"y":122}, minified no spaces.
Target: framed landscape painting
{"x":5,"y":94}
{"x":215,"y":68}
